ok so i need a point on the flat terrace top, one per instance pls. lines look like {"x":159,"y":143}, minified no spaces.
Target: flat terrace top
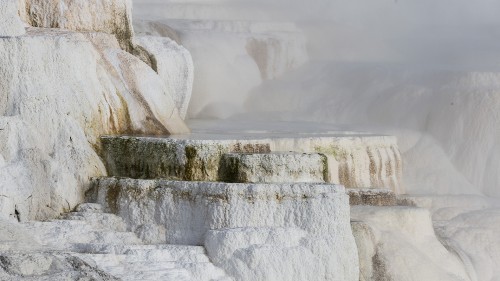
{"x":220,"y":130}
{"x":213,"y":188}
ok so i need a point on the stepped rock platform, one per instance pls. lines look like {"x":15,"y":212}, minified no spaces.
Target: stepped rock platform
{"x":355,"y":160}
{"x":189,"y":209}
{"x":89,"y":244}
{"x":198,"y":213}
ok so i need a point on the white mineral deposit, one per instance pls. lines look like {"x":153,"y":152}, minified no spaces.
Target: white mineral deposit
{"x":279,"y":140}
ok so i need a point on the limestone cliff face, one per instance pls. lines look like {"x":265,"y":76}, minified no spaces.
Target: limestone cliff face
{"x":112,"y":17}
{"x":59,"y":91}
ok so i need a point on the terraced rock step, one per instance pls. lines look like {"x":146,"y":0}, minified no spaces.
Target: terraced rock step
{"x":273,"y":167}
{"x":98,"y":220}
{"x":158,"y":264}
{"x":353,"y":160}
{"x":61,"y":234}
{"x":100,"y":240}
{"x":249,"y":225}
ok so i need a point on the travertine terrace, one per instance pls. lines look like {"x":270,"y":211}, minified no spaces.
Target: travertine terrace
{"x":104,"y":174}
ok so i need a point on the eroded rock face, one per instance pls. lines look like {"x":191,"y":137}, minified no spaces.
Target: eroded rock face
{"x":174,"y":65}
{"x":189,"y":210}
{"x":10,"y":24}
{"x":60,"y":92}
{"x":112,"y":17}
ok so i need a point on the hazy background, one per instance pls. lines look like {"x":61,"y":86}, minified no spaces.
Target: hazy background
{"x":425,"y":71}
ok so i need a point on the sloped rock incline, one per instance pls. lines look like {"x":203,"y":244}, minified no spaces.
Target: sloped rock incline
{"x":61,"y":91}
{"x":90,"y":243}
{"x":112,"y":17}
{"x":48,"y":266}
{"x":190,"y":210}
{"x":10,"y":24}
{"x":22,"y":257}
{"x":355,"y":161}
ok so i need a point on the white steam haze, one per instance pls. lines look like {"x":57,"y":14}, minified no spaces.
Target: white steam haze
{"x":424,"y":70}
{"x":427,"y":71}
